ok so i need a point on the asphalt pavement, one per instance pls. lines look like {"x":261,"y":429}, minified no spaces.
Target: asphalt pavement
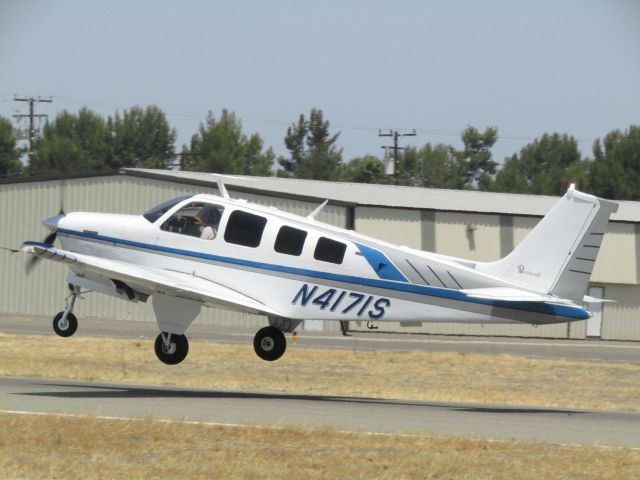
{"x":562,"y":426}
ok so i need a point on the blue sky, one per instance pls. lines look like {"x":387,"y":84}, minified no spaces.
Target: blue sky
{"x":435,"y":66}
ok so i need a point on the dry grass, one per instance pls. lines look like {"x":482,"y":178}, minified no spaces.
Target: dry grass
{"x":454,"y":377}
{"x":58,"y":447}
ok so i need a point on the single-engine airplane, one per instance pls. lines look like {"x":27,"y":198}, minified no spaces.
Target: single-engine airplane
{"x":217,"y":251}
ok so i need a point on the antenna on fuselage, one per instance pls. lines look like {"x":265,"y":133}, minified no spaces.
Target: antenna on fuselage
{"x":313,"y":214}
{"x":221,"y":187}
{"x":220,"y":180}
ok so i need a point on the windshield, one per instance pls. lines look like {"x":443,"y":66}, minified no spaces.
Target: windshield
{"x":156,"y":212}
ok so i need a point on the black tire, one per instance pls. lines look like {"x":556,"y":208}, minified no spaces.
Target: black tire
{"x":177,"y":351}
{"x":269,"y":343}
{"x":68,"y":328}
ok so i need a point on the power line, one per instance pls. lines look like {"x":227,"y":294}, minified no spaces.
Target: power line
{"x":396,"y":163}
{"x":504,"y":136}
{"x":32,"y":128}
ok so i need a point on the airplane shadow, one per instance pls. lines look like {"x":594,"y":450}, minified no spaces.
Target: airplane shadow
{"x":97,"y":391}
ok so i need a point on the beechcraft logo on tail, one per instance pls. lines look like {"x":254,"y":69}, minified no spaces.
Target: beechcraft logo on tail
{"x":342,"y":301}
{"x":523,"y":270}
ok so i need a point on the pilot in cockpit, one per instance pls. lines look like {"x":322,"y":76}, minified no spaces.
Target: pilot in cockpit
{"x":208,"y":219}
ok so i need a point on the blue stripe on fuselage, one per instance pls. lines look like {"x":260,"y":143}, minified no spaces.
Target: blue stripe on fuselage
{"x":576,"y":313}
{"x":381,"y":264}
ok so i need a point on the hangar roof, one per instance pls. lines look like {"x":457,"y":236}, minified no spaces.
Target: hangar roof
{"x":392,"y":196}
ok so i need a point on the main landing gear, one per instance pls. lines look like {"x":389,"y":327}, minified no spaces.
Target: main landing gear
{"x":171,"y":348}
{"x":269,"y":343}
{"x":65,"y":322}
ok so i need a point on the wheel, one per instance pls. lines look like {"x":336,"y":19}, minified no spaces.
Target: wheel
{"x":66,"y":328}
{"x":269,"y":343}
{"x":175,"y":352}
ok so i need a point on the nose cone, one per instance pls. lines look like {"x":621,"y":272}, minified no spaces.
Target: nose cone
{"x":52,"y":222}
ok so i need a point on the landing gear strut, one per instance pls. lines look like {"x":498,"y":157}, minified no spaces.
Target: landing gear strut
{"x":269,"y":343}
{"x":65,"y":323}
{"x":171,"y":348}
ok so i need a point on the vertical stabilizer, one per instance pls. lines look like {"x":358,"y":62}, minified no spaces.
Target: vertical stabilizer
{"x":559,"y":254}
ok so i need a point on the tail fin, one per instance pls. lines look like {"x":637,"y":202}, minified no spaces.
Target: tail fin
{"x":559,"y":254}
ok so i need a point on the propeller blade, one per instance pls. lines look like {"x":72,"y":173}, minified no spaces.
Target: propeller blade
{"x":51,"y":237}
{"x":31,"y":262}
{"x":63,"y":185}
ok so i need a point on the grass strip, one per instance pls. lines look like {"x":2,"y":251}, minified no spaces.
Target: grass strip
{"x":437,"y":376}
{"x":50,"y":447}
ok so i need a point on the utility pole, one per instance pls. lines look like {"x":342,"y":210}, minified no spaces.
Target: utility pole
{"x":396,"y":161}
{"x":32,"y":128}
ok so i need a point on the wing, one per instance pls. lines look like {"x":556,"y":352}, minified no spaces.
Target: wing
{"x":149,"y":280}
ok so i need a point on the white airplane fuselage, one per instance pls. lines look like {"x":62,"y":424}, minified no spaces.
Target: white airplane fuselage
{"x":370,"y":280}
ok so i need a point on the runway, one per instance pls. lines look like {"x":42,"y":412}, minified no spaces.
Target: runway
{"x":565,"y":426}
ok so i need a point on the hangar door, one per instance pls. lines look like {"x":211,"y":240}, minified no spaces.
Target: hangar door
{"x":594,"y":324}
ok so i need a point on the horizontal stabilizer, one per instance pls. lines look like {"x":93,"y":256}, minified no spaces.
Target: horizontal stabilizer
{"x":507,"y":294}
{"x":588,"y":299}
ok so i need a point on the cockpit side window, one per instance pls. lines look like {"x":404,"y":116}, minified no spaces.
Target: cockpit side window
{"x":156,"y":212}
{"x":196,"y":219}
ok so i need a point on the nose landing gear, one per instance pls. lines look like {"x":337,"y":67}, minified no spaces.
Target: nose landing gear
{"x":65,"y":322}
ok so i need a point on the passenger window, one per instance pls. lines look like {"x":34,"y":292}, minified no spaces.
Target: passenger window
{"x":290,"y":241}
{"x":244,"y":229}
{"x":196,"y":219}
{"x":328,"y":250}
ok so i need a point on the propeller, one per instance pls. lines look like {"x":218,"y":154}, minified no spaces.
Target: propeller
{"x":51,"y":222}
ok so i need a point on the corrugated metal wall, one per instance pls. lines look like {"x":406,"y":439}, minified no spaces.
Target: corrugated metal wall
{"x":468,"y":235}
{"x":402,"y":227}
{"x":621,"y":320}
{"x":616,"y":261}
{"x":23,"y":206}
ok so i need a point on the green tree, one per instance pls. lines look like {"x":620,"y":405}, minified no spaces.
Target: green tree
{"x":221,"y":147}
{"x":433,"y":166}
{"x":9,"y":154}
{"x":367,"y":169}
{"x":615,"y":172}
{"x":475,"y":161}
{"x":312,"y":150}
{"x":74,"y":142}
{"x":142,"y":138}
{"x":544,"y":167}
{"x":255,"y":161}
